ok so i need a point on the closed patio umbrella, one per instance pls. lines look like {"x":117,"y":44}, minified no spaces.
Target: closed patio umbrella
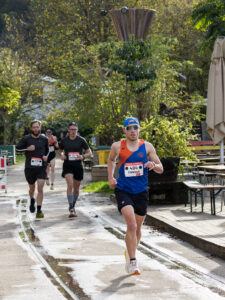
{"x":215,"y":115}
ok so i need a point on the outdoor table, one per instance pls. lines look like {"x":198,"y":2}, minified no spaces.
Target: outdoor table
{"x":213,"y":168}
{"x":198,"y":188}
{"x":209,"y":159}
{"x":189,"y":162}
{"x":205,"y":175}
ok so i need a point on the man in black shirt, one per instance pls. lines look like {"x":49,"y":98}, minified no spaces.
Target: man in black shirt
{"x":70,"y":149}
{"x":36,"y":150}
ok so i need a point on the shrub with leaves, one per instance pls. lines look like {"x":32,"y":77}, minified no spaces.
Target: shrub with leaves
{"x":169,"y":137}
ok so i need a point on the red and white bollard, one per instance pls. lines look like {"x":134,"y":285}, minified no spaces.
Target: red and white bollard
{"x":3,"y":173}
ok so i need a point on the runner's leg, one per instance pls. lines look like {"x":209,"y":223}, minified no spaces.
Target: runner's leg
{"x":31,"y":190}
{"x":139,"y":222}
{"x":131,"y":238}
{"x":70,"y":196}
{"x":47,"y":173}
{"x":76,"y":188}
{"x":32,"y":200}
{"x":40,"y":185}
{"x":52,"y":171}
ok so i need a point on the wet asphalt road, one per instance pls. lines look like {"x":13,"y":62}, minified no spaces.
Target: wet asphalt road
{"x":83,"y":258}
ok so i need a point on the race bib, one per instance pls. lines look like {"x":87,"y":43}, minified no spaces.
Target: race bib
{"x":73,"y":155}
{"x":133,"y":169}
{"x":36,"y":161}
{"x":51,"y":148}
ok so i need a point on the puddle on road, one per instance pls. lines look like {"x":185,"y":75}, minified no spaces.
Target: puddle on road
{"x":63,"y":272}
{"x":145,"y":251}
{"x":172,"y":265}
{"x":114,"y":232}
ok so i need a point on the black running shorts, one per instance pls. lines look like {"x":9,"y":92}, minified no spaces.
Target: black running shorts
{"x":32,"y":174}
{"x":51,"y":156}
{"x":77,"y":171}
{"x":138,"y":201}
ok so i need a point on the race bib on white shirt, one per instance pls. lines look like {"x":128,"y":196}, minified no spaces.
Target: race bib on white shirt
{"x":133,"y":169}
{"x":36,"y":161}
{"x":73,"y":155}
{"x":51,"y":148}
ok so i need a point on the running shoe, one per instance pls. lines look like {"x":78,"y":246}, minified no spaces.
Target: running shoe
{"x":72,"y":213}
{"x":133,"y":268}
{"x":39,"y":215}
{"x":32,"y":205}
{"x":127,"y":259}
{"x":52,"y":187}
{"x":47,"y":181}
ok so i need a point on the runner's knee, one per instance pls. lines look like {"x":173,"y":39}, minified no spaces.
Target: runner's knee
{"x":132,"y":226}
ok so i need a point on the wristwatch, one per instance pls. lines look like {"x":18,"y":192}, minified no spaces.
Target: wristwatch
{"x":153,"y":163}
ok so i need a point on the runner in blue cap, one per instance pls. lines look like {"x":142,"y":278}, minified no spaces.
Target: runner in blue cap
{"x":136,"y":157}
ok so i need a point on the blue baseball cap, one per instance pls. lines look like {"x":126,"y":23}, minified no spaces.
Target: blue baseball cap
{"x":130,"y":121}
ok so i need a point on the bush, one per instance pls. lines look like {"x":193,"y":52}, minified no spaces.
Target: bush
{"x":169,"y":137}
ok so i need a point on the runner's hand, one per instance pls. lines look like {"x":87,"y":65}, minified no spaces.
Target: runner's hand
{"x":31,"y":148}
{"x":112,"y":183}
{"x":45,"y":158}
{"x":150,"y":165}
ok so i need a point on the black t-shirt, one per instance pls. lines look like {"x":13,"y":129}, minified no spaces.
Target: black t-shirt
{"x":72,"y":148}
{"x":34,"y":158}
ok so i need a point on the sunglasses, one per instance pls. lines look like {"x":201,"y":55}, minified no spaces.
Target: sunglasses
{"x":135,"y":127}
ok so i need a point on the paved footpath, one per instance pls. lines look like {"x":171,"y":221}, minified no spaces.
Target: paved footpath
{"x":83,"y":258}
{"x":202,"y":230}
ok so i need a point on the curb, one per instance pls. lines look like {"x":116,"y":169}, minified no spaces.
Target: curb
{"x":196,"y":241}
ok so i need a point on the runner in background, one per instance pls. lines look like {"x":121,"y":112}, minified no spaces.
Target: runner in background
{"x":53,"y":145}
{"x":71,"y":149}
{"x":35,"y":146}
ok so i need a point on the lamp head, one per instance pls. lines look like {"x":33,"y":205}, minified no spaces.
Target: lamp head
{"x":124,"y":9}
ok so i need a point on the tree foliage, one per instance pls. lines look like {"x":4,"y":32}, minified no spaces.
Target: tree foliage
{"x":99,"y":81}
{"x":20,"y":84}
{"x":209,"y":16}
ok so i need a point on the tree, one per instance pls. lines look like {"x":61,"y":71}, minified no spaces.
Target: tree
{"x":208,"y":16}
{"x":109,"y":82}
{"x":71,"y":42}
{"x":9,"y":101}
{"x":20,"y":88}
{"x":133,"y":59}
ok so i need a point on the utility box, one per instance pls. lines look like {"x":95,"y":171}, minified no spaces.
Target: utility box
{"x":103,"y":156}
{"x":10,"y":152}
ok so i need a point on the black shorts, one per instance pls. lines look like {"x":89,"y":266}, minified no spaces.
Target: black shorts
{"x":32,"y":174}
{"x":138,"y":201}
{"x":51,"y":156}
{"x":77,"y":171}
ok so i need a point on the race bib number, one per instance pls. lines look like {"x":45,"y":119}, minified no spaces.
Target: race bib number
{"x":51,"y":148}
{"x":73,"y":155}
{"x":36,"y":162}
{"x":133,"y":169}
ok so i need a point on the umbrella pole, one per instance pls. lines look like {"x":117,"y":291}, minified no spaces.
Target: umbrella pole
{"x":222,"y":152}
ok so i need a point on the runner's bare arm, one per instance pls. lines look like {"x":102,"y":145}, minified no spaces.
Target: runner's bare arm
{"x":56,"y":142}
{"x":112,"y":164}
{"x":154,"y":162}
